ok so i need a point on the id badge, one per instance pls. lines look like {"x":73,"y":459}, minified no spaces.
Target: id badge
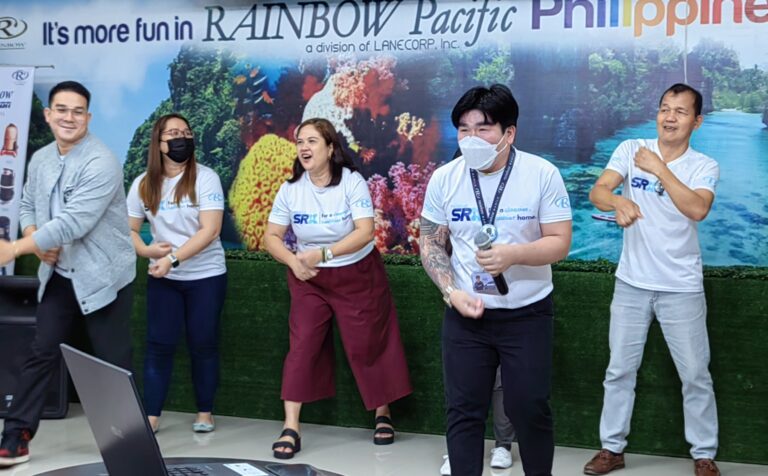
{"x":483,"y":283}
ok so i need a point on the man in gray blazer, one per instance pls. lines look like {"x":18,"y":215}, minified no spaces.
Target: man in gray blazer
{"x":73,"y":216}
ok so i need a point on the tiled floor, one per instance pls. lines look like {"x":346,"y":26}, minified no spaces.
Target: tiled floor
{"x":348,"y":451}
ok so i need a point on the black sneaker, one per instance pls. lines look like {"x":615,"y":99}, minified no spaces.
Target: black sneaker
{"x":15,"y":448}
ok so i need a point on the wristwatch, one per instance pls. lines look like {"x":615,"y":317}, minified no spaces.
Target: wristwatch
{"x":447,"y":295}
{"x":174,"y":260}
{"x":328,"y":254}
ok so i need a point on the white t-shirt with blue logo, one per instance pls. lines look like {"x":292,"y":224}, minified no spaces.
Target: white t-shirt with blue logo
{"x":535,"y":194}
{"x":661,"y":251}
{"x":176,"y":223}
{"x":322,"y":216}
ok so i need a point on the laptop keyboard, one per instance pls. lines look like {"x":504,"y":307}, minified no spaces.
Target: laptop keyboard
{"x":186,"y":471}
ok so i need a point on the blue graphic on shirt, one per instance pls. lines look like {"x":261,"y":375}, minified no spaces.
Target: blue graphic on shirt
{"x":363,"y":203}
{"x":471,"y":214}
{"x":646,"y":185}
{"x":300,"y":218}
{"x":166,"y":205}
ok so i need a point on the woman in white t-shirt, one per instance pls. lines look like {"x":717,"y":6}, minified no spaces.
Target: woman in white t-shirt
{"x":335,"y":272}
{"x":184,"y":204}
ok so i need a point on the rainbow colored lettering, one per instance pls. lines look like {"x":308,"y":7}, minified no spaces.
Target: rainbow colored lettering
{"x":640,"y":14}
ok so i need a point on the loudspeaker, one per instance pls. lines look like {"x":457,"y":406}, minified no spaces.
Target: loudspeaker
{"x":18,"y":303}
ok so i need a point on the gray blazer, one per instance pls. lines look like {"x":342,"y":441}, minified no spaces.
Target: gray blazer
{"x":92,"y":227}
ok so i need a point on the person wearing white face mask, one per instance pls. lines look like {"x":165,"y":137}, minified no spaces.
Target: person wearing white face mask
{"x":516,"y":200}
{"x":479,"y":154}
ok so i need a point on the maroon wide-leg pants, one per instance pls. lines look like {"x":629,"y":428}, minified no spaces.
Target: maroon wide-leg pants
{"x":359,"y":296}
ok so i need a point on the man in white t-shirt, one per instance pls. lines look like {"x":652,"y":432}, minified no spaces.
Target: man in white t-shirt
{"x":517,"y":201}
{"x":668,"y":189}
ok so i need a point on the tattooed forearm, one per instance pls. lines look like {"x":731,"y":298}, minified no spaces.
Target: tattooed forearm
{"x":433,"y":241}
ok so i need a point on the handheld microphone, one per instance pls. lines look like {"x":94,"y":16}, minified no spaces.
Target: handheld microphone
{"x":483,"y":242}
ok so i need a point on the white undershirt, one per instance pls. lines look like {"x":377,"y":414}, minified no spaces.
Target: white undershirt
{"x":62,"y":262}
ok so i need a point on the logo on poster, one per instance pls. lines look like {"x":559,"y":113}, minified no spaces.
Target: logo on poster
{"x":20,"y":75}
{"x":11,"y":27}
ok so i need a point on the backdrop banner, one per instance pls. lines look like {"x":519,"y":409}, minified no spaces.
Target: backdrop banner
{"x":587,"y":75}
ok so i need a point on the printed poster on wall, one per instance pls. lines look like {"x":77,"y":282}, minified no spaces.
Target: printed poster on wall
{"x":587,"y":75}
{"x":16,"y":85}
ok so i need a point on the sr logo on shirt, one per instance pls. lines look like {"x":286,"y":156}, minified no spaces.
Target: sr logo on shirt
{"x":304,"y":219}
{"x":648,"y":186}
{"x":461,"y":214}
{"x":641,"y":183}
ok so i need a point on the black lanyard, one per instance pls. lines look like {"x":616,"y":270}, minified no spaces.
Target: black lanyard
{"x":485,"y":217}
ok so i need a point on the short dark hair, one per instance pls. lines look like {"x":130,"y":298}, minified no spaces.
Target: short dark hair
{"x":71,"y":86}
{"x":678,"y":88}
{"x":496,"y":103}
{"x":339,"y":160}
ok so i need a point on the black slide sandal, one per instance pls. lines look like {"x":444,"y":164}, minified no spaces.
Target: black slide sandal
{"x":295,"y":447}
{"x":384,"y":440}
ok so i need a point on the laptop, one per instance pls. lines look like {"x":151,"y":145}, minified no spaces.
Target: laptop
{"x":127,"y":444}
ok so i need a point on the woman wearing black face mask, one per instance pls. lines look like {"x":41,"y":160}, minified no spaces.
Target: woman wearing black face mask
{"x":184,"y":204}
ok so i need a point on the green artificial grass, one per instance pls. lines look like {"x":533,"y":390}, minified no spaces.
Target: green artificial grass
{"x":254,"y":341}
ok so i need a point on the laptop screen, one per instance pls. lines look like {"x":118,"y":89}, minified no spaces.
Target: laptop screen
{"x":113,"y":408}
{"x":128,"y":446}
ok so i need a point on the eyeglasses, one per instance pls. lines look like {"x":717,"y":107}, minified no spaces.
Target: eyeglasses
{"x":78,"y":113}
{"x":178,"y":133}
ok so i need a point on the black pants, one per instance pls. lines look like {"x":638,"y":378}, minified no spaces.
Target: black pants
{"x":109,"y":332}
{"x":520,"y":340}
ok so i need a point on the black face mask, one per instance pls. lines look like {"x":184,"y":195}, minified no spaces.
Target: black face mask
{"x":181,"y":149}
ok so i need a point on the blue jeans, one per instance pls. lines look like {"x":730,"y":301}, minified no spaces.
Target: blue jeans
{"x":682,"y":317}
{"x":173,"y":305}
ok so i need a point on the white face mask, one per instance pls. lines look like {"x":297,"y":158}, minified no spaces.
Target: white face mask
{"x":479,"y":154}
